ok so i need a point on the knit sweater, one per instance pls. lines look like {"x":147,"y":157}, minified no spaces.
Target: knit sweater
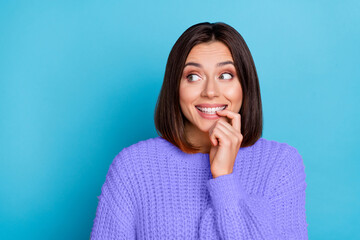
{"x":153,"y":190}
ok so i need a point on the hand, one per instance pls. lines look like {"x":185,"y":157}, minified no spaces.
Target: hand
{"x":225,"y":140}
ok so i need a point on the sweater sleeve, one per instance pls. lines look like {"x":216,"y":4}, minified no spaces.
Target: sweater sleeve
{"x":115,"y":217}
{"x":234,"y":214}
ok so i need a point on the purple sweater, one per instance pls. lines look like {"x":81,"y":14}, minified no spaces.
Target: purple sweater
{"x":153,"y":190}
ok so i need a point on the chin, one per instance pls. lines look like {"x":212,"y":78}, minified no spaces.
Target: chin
{"x":205,"y":127}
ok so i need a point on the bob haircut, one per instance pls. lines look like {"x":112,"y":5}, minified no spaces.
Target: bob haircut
{"x":170,"y":120}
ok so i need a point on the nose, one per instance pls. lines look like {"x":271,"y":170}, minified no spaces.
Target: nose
{"x":211,"y":88}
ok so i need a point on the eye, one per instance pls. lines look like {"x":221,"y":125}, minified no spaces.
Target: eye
{"x":226,"y":76}
{"x":192,"y":77}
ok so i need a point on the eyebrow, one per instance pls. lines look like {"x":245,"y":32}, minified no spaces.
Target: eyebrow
{"x":200,"y":66}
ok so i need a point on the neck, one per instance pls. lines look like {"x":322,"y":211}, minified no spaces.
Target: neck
{"x":198,"y":138}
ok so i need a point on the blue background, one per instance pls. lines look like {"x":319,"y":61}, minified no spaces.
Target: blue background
{"x":79,"y":81}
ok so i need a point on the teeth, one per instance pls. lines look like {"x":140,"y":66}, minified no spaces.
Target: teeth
{"x":211,"y":110}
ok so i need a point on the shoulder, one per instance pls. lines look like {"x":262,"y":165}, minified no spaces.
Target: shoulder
{"x":137,"y":152}
{"x":276,"y":146}
{"x":283,"y":161}
{"x":280,"y":152}
{"x":144,"y":147}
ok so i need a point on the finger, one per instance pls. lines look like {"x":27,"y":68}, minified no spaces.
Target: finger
{"x":221,"y":135}
{"x":228,"y":127}
{"x":212,"y":140}
{"x":234,"y":117}
{"x":229,"y":131}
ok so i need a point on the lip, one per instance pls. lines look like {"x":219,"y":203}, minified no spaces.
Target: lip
{"x":208,"y":116}
{"x":208,"y":105}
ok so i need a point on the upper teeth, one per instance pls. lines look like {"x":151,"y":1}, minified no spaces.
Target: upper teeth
{"x":211,"y":110}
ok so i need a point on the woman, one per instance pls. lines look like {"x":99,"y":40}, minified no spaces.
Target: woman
{"x":209,"y":175}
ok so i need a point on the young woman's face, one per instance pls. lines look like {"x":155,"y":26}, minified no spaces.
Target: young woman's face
{"x":209,"y":80}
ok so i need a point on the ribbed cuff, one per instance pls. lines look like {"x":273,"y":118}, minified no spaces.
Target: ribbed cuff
{"x":225,"y":191}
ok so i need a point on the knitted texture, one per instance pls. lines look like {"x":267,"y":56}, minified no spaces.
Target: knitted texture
{"x":153,"y":190}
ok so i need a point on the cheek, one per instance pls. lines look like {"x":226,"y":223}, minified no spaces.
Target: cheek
{"x":184,"y":98}
{"x":234,"y":94}
{"x":187,"y":96}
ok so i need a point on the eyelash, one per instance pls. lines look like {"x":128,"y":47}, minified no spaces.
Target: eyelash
{"x":187,"y":77}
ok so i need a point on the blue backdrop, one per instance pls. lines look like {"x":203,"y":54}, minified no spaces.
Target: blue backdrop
{"x":79,"y":81}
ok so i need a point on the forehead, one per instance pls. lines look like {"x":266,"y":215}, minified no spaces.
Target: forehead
{"x":210,"y":50}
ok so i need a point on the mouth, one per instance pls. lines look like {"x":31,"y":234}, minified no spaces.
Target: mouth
{"x":211,"y":110}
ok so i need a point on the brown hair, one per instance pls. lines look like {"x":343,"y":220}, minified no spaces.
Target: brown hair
{"x":169,"y":119}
